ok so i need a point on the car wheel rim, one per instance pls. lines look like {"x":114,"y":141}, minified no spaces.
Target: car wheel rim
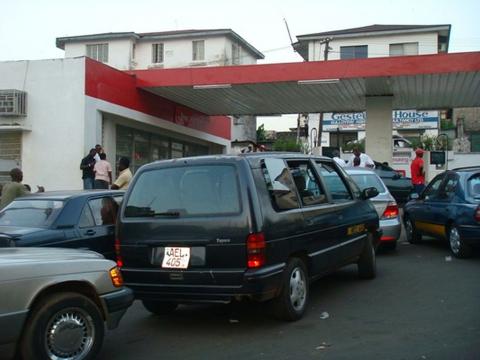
{"x":298,"y":289}
{"x":70,"y":335}
{"x":454,"y":240}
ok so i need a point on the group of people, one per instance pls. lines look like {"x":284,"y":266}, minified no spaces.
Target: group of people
{"x":358,"y":159}
{"x":97,"y":171}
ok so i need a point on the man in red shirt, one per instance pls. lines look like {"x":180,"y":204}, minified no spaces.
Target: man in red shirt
{"x":418,"y":172}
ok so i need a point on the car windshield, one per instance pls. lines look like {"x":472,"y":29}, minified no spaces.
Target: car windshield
{"x":368,"y":180}
{"x":30,"y":213}
{"x":473,"y":186}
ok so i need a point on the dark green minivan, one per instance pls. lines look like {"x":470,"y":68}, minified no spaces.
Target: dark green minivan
{"x":259,"y":226}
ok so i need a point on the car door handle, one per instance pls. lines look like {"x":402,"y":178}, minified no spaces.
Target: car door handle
{"x":90,"y":232}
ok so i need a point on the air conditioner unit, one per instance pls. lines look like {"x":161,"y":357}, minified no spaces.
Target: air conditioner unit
{"x":13,"y":103}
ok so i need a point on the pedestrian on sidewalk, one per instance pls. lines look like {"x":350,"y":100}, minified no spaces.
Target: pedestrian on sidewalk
{"x":15,"y":188}
{"x":87,"y":165}
{"x":125,"y":175}
{"x":103,"y":173}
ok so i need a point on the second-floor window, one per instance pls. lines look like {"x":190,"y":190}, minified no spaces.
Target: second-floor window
{"x":404,"y":49}
{"x":157,"y":53}
{"x":98,"y":52}
{"x":198,"y":50}
{"x":235,"y":54}
{"x":354,"y":52}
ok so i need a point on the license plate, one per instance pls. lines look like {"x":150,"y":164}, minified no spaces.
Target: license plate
{"x":176,"y":258}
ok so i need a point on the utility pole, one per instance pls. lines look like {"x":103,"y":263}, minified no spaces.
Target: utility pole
{"x":325,"y":42}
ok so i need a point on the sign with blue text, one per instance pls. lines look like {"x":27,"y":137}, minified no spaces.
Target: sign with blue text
{"x":402,"y":120}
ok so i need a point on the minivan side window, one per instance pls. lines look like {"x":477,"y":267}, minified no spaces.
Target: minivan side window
{"x":280,"y":184}
{"x":306,"y":182}
{"x":194,"y":190}
{"x":334,"y":182}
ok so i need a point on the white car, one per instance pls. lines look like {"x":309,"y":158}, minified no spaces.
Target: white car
{"x":54,"y":302}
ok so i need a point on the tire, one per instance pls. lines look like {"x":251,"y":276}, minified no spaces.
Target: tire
{"x":413,"y":237}
{"x":159,"y":307}
{"x":292,"y":301}
{"x":367,"y":264}
{"x":63,"y":326}
{"x":457,"y":245}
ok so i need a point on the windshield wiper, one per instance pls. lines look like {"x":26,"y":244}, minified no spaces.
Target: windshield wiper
{"x":134,"y":211}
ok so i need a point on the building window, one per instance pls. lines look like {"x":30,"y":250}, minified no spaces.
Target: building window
{"x":198,"y":50}
{"x":354,"y":52}
{"x":98,"y":52}
{"x":157,"y":53}
{"x":235,"y":54}
{"x":404,"y":49}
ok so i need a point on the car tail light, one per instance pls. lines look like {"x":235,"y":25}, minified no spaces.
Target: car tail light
{"x":116,"y":277}
{"x":391,"y":211}
{"x":477,"y":214}
{"x":387,"y":238}
{"x":117,"y":253}
{"x":256,"y":250}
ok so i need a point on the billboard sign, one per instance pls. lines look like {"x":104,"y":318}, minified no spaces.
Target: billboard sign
{"x":402,"y":120}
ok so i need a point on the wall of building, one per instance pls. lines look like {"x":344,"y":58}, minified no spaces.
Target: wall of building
{"x":52,"y":150}
{"x":178,"y":53}
{"x":119,"y":52}
{"x":378,"y":46}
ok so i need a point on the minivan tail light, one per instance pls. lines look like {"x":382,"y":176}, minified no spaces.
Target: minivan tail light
{"x":117,"y":253}
{"x":391,"y":211}
{"x":256,"y":247}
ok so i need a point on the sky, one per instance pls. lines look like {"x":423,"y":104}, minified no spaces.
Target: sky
{"x":28,"y":28}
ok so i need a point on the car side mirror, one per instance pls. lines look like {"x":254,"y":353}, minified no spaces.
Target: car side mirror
{"x":414,"y":196}
{"x":369,"y":193}
{"x":396,"y":176}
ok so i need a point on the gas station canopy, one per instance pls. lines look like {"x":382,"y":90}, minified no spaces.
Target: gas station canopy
{"x":414,"y":82}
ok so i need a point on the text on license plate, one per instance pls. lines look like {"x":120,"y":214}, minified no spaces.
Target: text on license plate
{"x":176,"y":257}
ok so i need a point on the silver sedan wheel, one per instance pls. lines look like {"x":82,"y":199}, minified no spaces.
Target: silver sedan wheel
{"x":70,"y":334}
{"x":298,"y":289}
{"x":454,"y":238}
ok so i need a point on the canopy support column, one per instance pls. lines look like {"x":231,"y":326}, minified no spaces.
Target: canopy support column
{"x":378,"y":128}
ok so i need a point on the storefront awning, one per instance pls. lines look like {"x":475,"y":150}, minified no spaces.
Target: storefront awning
{"x":415,"y":82}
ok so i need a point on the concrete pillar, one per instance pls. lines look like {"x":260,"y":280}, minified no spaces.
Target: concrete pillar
{"x":378,"y":127}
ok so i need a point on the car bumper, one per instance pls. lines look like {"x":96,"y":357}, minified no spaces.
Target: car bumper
{"x":259,"y":284}
{"x":391,"y":229}
{"x":115,"y":305}
{"x":470,"y":234}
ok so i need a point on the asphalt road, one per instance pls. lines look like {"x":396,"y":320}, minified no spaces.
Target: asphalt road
{"x":423,"y":304}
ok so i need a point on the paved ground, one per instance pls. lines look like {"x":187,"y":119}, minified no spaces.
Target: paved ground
{"x":423,"y":305}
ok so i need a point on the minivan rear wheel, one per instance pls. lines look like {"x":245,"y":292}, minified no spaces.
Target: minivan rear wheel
{"x":292,"y":302}
{"x":367,"y":264}
{"x":159,"y":307}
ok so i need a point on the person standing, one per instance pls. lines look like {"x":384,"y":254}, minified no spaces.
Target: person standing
{"x":98,"y":151}
{"x":125,"y":175}
{"x":103,"y":173}
{"x":15,"y":188}
{"x":360,"y":159}
{"x":87,"y":165}
{"x":417,"y":171}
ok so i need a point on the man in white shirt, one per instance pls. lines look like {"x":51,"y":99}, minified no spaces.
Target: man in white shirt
{"x":359,"y":159}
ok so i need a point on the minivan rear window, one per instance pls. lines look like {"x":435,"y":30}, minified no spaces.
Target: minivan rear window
{"x":185,"y":191}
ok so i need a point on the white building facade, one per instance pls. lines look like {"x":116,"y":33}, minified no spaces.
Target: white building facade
{"x":367,"y":42}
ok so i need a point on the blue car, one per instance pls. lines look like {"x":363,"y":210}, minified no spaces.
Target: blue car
{"x":448,"y":208}
{"x":72,"y":219}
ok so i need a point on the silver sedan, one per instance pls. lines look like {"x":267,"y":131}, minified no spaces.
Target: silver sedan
{"x":54,"y":302}
{"x":384,"y":203}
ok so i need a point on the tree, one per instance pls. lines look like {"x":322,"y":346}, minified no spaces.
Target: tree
{"x":261,"y":134}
